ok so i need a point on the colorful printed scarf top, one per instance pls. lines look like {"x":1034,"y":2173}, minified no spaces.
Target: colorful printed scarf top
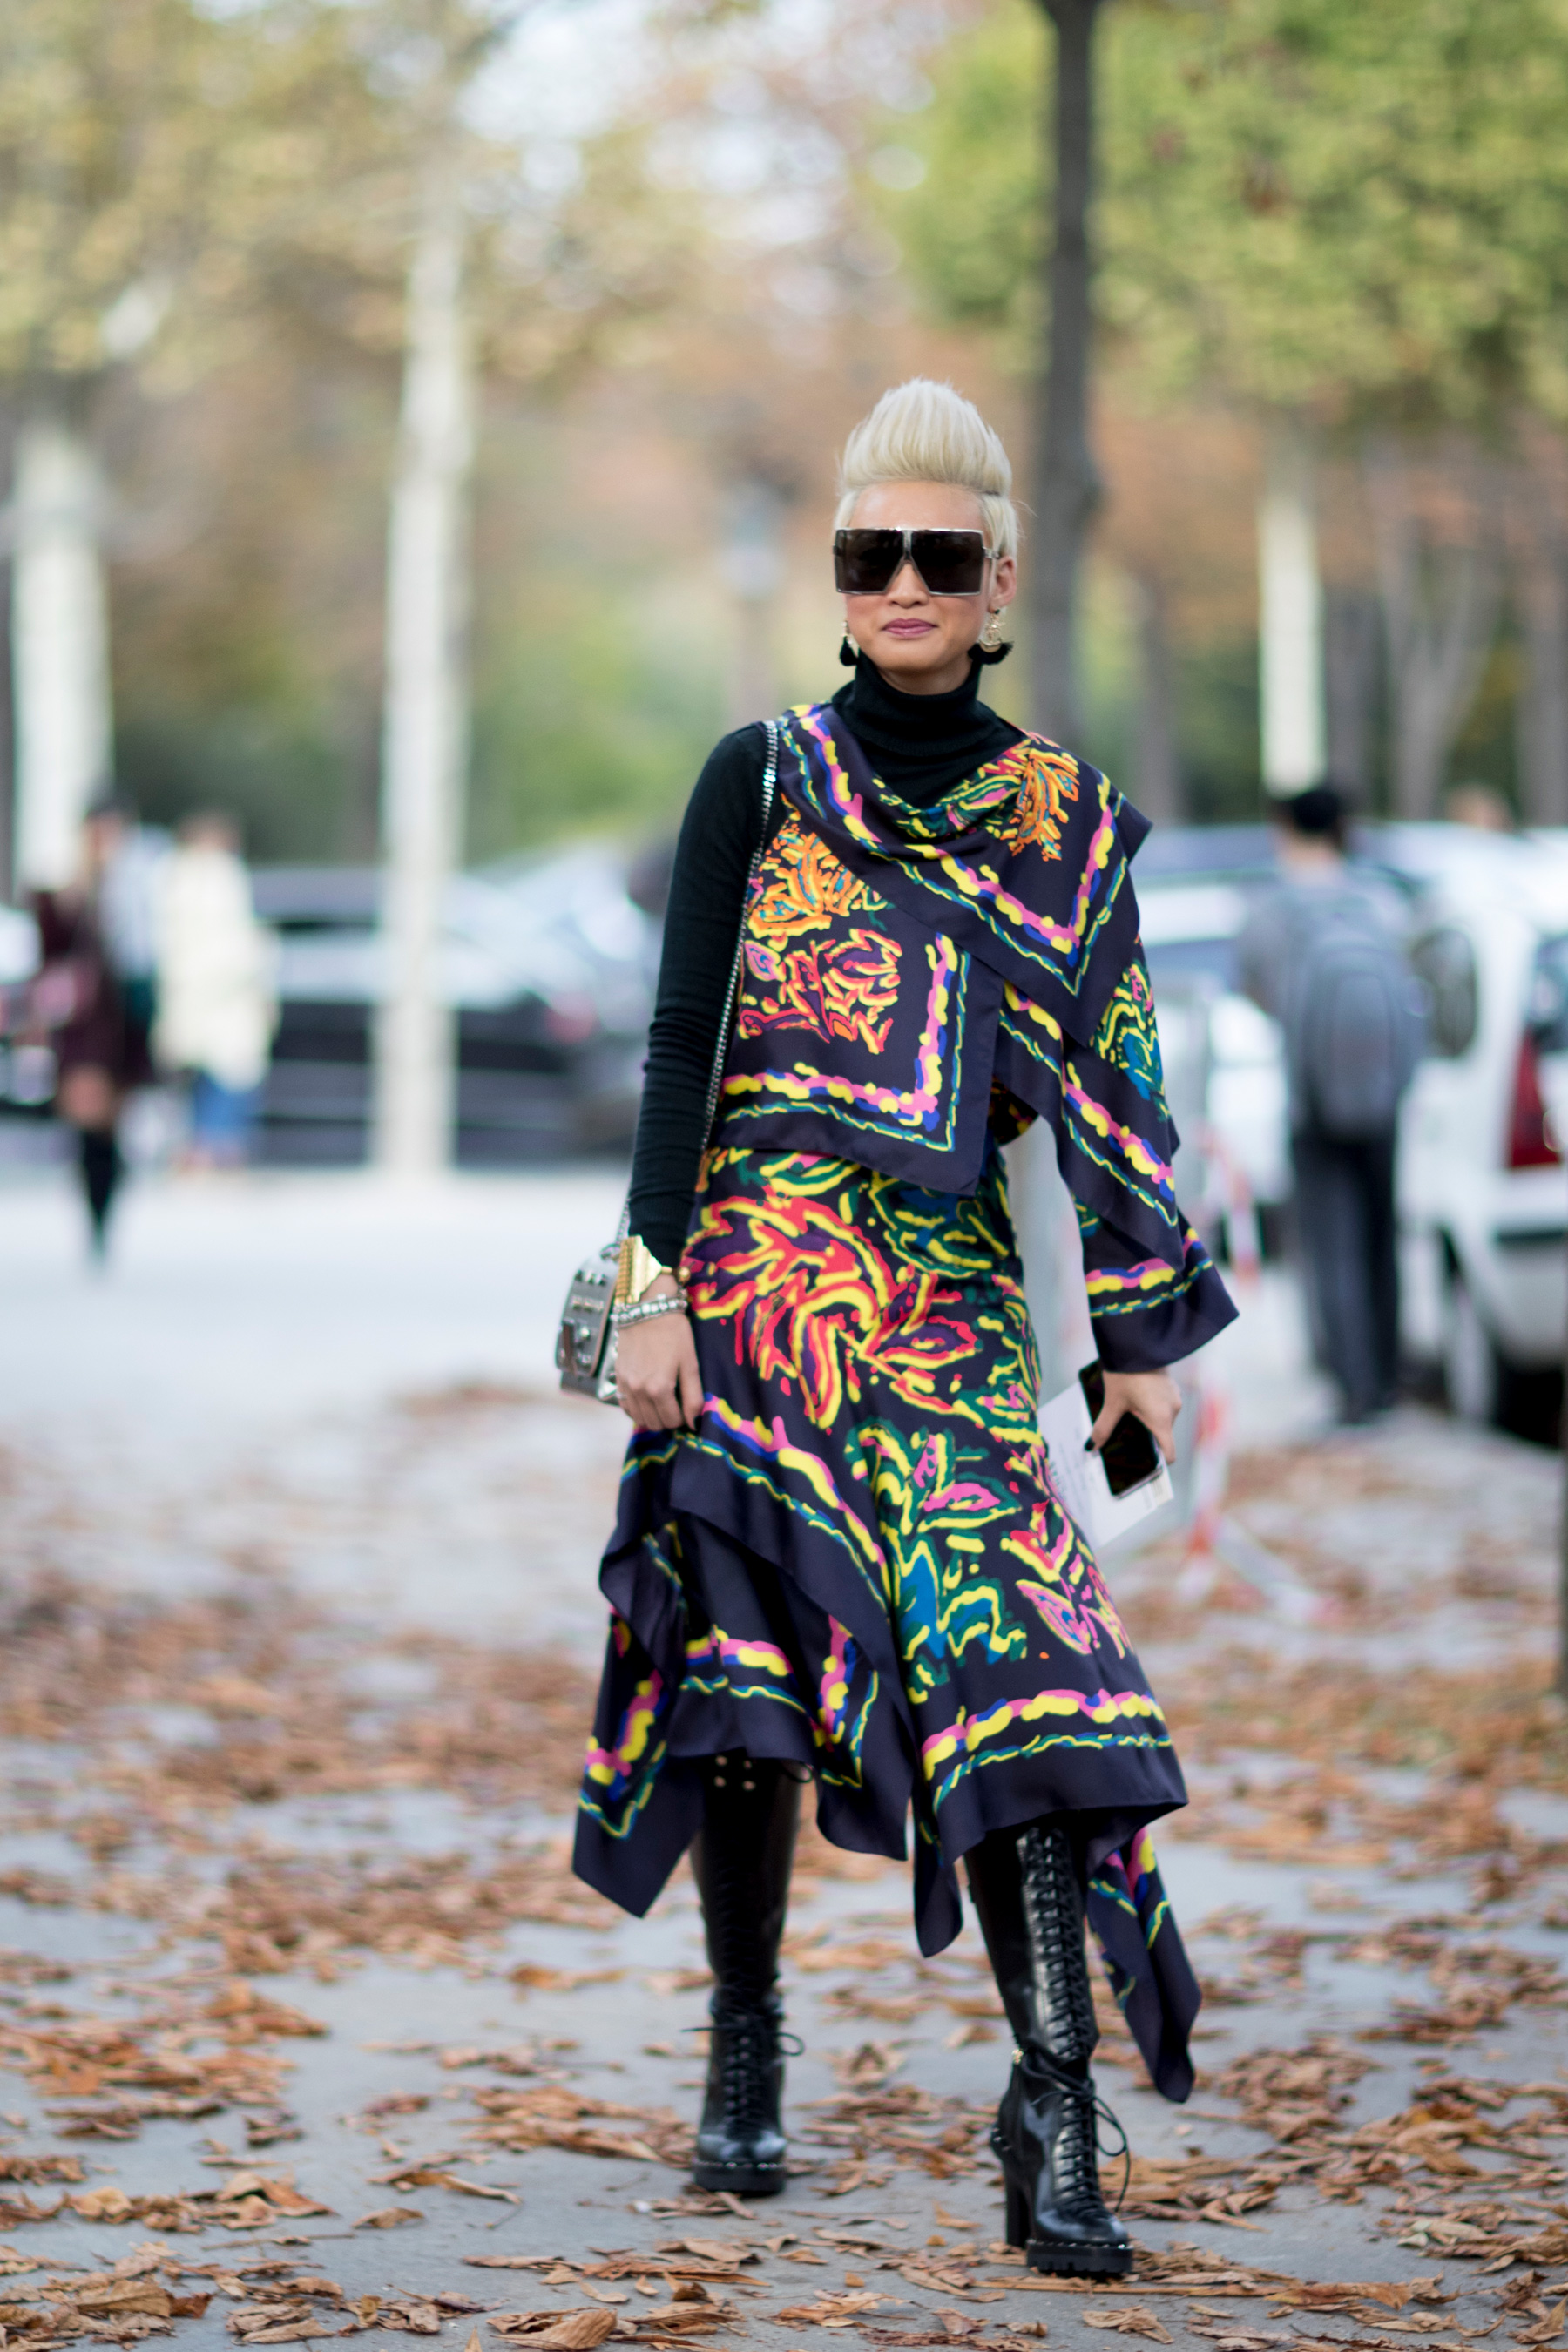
{"x":914,"y":976}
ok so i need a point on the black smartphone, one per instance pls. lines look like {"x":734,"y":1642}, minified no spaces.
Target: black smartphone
{"x":1129,"y":1453}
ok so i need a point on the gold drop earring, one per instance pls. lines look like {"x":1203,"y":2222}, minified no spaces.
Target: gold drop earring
{"x":991,"y":638}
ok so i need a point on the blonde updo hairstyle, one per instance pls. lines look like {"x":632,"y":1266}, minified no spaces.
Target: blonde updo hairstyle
{"x":926,"y":432}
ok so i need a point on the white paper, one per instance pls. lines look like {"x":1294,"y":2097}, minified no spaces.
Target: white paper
{"x":1080,"y":1478}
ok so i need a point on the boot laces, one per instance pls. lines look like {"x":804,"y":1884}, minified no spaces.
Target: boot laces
{"x":1053,"y":1914}
{"x":747,"y":2054}
{"x":1077,"y":2159}
{"x":751,"y":2043}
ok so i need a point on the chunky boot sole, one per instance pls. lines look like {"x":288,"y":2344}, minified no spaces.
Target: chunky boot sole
{"x":1060,"y":2261}
{"x":1059,"y":2257}
{"x":743,"y":2180}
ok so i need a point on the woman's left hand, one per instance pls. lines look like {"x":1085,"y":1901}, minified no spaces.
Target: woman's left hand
{"x":1152,"y":1396}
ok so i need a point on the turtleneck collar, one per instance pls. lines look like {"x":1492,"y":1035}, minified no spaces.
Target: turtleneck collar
{"x":875,"y":706}
{"x":921,"y":745}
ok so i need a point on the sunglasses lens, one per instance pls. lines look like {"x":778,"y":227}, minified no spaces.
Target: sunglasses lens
{"x":951,"y":562}
{"x":864,"y":562}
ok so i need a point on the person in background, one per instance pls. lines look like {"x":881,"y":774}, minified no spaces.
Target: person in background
{"x":79,"y":1002}
{"x":1321,"y":954}
{"x":218,"y":1004}
{"x":1481,"y":806}
{"x":127,"y":897}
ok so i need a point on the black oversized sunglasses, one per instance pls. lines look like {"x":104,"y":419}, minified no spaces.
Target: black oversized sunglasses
{"x":949,"y":563}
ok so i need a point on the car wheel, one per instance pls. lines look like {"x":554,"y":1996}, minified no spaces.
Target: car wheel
{"x":1472,"y":1369}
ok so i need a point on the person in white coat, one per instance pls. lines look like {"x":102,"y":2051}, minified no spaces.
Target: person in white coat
{"x":217,"y":1003}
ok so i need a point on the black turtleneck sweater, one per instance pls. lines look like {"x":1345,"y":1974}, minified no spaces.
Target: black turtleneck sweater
{"x":920,"y":746}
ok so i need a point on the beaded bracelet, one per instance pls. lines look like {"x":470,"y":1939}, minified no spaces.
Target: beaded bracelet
{"x":674,"y":1304}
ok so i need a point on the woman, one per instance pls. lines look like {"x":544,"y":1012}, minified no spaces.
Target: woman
{"x":79,"y":1002}
{"x":839,"y":1555}
{"x":218,"y":1004}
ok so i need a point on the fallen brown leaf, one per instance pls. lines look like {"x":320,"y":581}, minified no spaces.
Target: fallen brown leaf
{"x":1128,"y":2319}
{"x":829,"y":2310}
{"x":555,"y":2331}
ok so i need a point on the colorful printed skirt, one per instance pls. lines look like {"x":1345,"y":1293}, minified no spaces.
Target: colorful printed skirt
{"x":858,"y":1562}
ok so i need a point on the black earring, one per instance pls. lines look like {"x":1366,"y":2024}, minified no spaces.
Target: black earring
{"x":848,"y":652}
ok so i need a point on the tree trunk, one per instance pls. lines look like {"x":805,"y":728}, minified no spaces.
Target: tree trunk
{"x":1290,"y":624}
{"x":60,"y":649}
{"x":1439,"y":609}
{"x":1156,"y":776}
{"x":1067,"y":487}
{"x":1350,"y":634}
{"x":424,"y":743}
{"x":1541,"y":598}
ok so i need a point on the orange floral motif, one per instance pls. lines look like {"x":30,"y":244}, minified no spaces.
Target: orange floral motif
{"x":845,"y":988}
{"x":802,"y":886}
{"x":1049,"y":785}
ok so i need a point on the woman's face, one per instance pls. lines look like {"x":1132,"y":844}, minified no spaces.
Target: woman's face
{"x":919,"y":642}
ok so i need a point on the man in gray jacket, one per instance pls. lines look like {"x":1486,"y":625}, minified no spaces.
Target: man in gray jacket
{"x":1321,"y":953}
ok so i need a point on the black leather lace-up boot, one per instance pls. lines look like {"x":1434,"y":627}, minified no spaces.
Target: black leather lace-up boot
{"x":742,"y":1865}
{"x":1027,"y":1894}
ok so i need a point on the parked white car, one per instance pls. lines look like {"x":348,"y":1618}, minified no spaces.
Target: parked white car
{"x":1483,"y":1188}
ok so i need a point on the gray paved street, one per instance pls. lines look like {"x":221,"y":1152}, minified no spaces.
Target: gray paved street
{"x":298,"y":1583}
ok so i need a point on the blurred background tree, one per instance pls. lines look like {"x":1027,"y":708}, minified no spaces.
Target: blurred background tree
{"x":250,"y":654}
{"x":149,"y":157}
{"x":1346,"y":222}
{"x":669,"y":299}
{"x":110,"y":140}
{"x":698,"y":243}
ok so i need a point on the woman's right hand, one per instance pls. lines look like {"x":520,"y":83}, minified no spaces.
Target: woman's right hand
{"x":657,"y":1379}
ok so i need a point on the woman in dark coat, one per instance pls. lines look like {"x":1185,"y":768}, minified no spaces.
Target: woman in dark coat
{"x":98,"y":1042}
{"x":840,"y":1557}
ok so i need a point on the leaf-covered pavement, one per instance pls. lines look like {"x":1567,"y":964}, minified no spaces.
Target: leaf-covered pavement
{"x":306,"y":2029}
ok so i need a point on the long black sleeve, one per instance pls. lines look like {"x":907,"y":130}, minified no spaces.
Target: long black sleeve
{"x":718,"y":841}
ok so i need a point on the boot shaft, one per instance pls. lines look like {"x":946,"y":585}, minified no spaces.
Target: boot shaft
{"x":98,"y":1156}
{"x":741,"y":1860}
{"x":1028,"y":1894}
{"x":1028,"y":1891}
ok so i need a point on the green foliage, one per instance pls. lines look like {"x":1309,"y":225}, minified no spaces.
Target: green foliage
{"x":1486,"y":750}
{"x":1109,"y":658}
{"x":247,"y":665}
{"x":150,"y":152}
{"x":275,"y":767}
{"x":1217,"y":726}
{"x":588,"y":715}
{"x":104,"y":144}
{"x":973,"y":229}
{"x":1362,"y":208}
{"x":1350,"y":206}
